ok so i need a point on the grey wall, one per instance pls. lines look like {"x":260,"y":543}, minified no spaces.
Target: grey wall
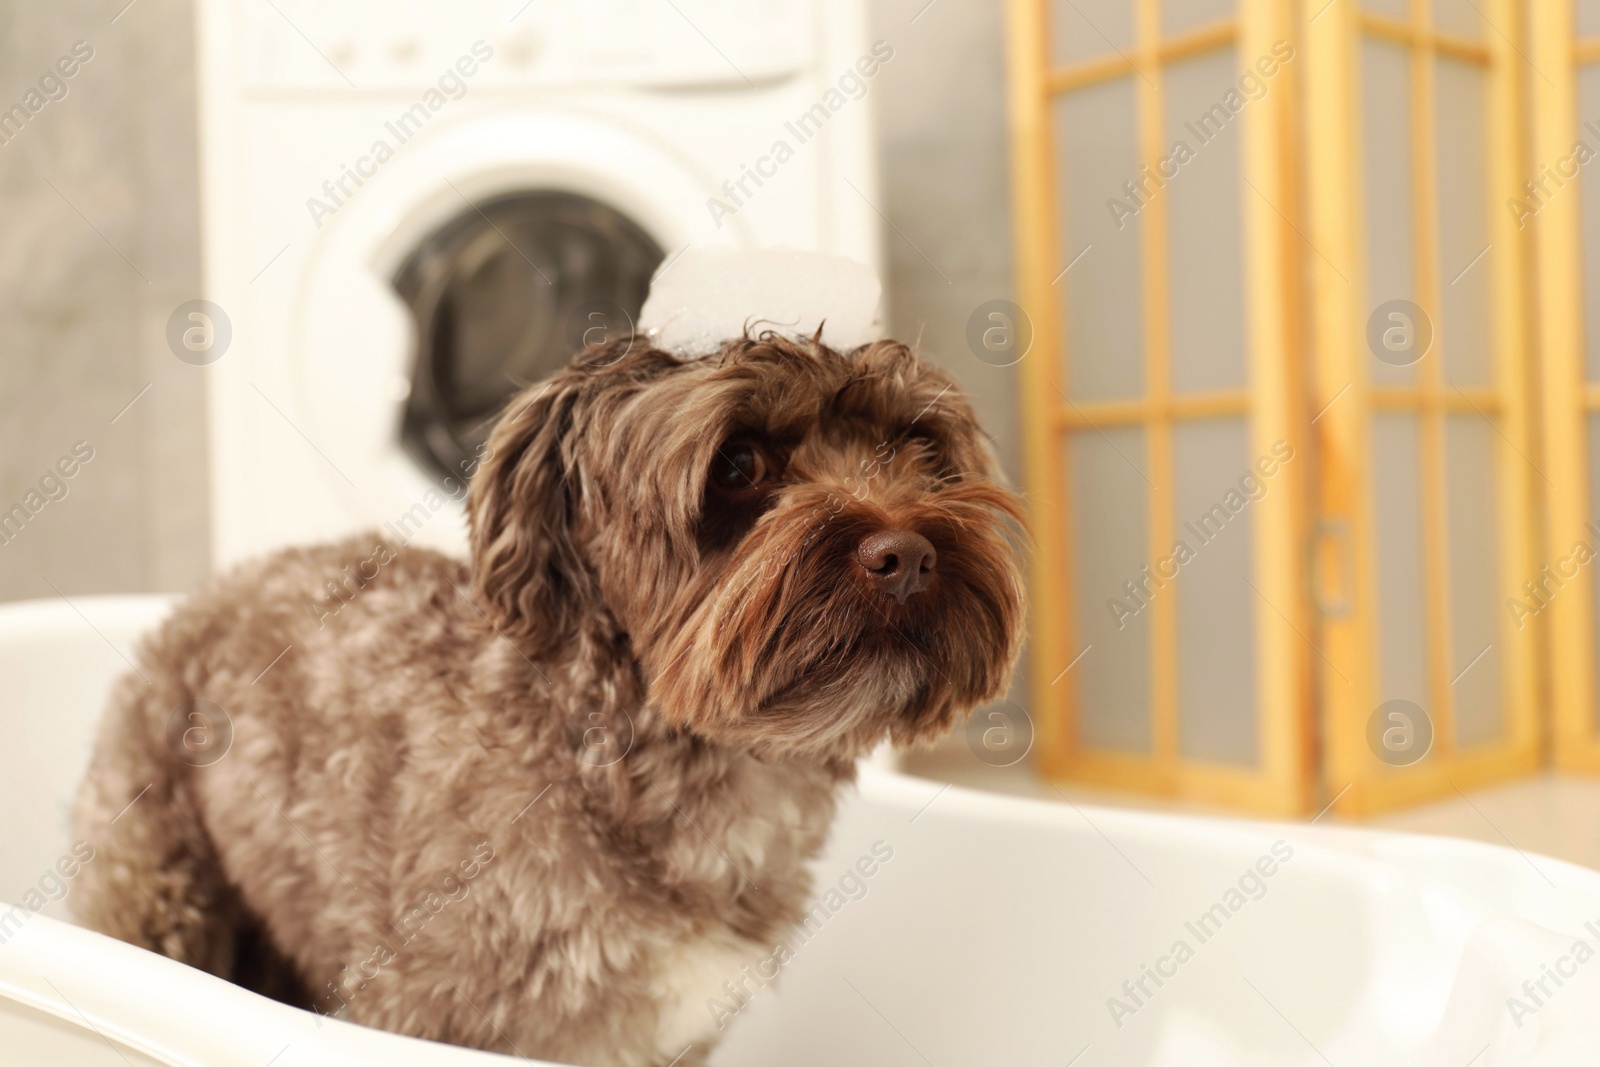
{"x":98,"y":243}
{"x":941,"y":112}
{"x":945,"y":186}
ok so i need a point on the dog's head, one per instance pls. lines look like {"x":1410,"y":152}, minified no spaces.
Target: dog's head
{"x":805,"y":551}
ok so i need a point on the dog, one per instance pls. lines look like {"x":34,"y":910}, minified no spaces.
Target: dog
{"x":548,"y":801}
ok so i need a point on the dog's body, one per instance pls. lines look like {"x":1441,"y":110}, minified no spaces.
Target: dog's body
{"x":550,"y":801}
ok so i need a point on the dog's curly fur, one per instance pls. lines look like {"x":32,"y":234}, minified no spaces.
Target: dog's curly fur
{"x":423,"y":822}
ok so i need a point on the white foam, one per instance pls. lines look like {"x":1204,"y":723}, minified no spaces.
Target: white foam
{"x":707,"y":296}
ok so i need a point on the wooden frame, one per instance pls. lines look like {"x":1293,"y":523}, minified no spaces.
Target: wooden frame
{"x":1281,"y":782}
{"x":1344,"y":435}
{"x":1566,"y":397}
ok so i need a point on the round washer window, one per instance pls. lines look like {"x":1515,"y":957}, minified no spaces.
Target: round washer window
{"x":503,"y":295}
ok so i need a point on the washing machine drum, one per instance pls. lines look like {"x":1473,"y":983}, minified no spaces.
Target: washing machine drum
{"x":503,"y":296}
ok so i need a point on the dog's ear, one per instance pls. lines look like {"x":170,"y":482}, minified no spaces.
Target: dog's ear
{"x":522,"y":506}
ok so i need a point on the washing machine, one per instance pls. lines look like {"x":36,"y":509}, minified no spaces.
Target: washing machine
{"x":414,"y":208}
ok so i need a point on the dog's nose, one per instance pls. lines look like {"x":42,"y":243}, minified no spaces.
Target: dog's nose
{"x":900,"y":562}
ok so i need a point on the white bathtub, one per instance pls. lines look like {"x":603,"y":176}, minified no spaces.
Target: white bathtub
{"x":995,"y":935}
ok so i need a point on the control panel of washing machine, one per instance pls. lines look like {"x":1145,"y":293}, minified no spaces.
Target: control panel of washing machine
{"x":404,"y":44}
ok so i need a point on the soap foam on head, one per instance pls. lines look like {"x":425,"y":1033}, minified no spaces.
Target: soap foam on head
{"x":708,"y":296}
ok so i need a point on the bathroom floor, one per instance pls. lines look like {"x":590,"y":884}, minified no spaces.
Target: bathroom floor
{"x":1549,"y":814}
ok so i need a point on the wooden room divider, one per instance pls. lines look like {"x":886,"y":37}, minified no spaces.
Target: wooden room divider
{"x":1280,"y":460}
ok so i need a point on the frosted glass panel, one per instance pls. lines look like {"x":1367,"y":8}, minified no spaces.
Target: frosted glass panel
{"x":1465,"y":258}
{"x":1589,"y":111}
{"x":1386,"y":124}
{"x":1081,"y":29}
{"x":1204,"y":226}
{"x":1594,"y":516}
{"x":1589,"y":18}
{"x":1096,"y":135}
{"x":1460,"y":17}
{"x":1475,"y":610}
{"x":1110,"y":509}
{"x":1402,"y":618}
{"x":1180,"y":15}
{"x":1216,"y":606}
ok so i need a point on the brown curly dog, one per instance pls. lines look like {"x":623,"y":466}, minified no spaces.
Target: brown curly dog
{"x":548,"y":801}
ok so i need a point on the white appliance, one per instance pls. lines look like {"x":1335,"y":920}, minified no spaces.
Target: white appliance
{"x":410,"y":207}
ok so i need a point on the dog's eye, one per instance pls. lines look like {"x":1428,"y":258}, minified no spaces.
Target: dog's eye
{"x":740,"y":466}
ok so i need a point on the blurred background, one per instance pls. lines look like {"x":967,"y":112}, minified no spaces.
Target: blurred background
{"x":1279,"y":312}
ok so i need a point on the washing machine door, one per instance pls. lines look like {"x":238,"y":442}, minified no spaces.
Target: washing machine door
{"x":476,"y":262}
{"x":501,"y":296}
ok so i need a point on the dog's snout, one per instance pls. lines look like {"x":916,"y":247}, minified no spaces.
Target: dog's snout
{"x":900,"y":562}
